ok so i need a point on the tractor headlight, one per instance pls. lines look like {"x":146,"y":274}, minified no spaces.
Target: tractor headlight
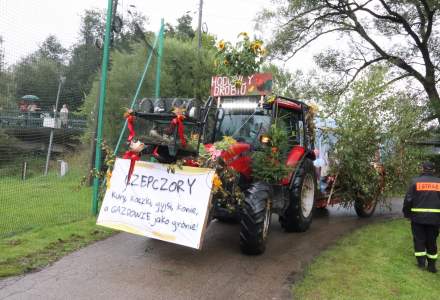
{"x":265,"y":139}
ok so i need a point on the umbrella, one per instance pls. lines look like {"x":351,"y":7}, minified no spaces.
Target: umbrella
{"x":30,"y":97}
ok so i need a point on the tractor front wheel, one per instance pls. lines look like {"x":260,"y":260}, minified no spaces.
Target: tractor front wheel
{"x":298,"y":215}
{"x":255,"y":219}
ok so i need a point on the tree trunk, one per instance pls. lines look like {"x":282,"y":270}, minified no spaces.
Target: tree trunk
{"x":434,"y":99}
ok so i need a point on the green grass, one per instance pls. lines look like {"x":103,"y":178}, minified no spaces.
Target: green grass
{"x":39,"y":247}
{"x":42,"y":219}
{"x":375,"y":262}
{"x":41,"y":201}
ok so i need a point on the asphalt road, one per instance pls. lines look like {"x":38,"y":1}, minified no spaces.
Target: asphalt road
{"x":127,"y":266}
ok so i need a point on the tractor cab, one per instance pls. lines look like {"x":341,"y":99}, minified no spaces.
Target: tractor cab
{"x":243,"y":118}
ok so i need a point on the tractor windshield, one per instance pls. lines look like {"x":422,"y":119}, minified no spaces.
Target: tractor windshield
{"x":242,"y":119}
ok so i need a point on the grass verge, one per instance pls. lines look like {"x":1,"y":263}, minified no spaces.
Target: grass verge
{"x":42,"y":219}
{"x":38,"y":247}
{"x":375,"y":262}
{"x":42,"y":201}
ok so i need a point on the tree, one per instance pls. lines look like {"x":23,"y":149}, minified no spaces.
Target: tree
{"x":183,"y":30}
{"x":52,"y":49}
{"x":39,"y":76}
{"x":401,"y":34}
{"x":80,"y":73}
{"x":293,"y":85}
{"x":39,"y":73}
{"x":2,"y":56}
{"x":4,"y":78}
{"x":123,"y":30}
{"x":92,"y":26}
{"x":86,"y":55}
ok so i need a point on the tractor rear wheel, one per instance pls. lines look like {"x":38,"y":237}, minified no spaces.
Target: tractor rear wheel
{"x":255,"y":219}
{"x":299,"y":213}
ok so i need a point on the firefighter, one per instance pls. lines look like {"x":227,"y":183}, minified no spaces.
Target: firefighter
{"x":422,"y":207}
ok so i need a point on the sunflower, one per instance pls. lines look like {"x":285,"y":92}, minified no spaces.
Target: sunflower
{"x":221,"y":45}
{"x":256,"y":46}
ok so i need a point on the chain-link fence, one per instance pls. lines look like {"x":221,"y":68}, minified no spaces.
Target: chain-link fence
{"x":49,"y":91}
{"x":43,"y":150}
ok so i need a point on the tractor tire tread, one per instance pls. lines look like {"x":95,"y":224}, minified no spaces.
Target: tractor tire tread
{"x":252,"y":219}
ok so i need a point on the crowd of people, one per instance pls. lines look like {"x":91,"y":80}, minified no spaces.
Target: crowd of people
{"x":33,"y":107}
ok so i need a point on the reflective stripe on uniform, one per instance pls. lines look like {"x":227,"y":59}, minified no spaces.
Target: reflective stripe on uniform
{"x":431,"y":210}
{"x":420,"y":253}
{"x":432,"y":256}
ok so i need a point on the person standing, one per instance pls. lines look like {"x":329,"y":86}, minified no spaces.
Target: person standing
{"x":64,"y":112}
{"x":422,"y":206}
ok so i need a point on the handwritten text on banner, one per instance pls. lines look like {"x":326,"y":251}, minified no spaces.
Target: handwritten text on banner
{"x":158,"y":204}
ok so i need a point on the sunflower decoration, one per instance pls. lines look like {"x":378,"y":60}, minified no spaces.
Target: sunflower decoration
{"x":244,"y":35}
{"x":221,"y":45}
{"x":256,"y":46}
{"x":242,"y":59}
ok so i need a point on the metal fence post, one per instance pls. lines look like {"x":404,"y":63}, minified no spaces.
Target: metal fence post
{"x":103,"y":89}
{"x":159,"y":59}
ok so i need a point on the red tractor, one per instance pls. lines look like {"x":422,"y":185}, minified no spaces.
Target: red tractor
{"x":180,"y":131}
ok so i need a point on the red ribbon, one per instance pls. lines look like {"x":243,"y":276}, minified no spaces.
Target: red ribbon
{"x":130,"y":125}
{"x":178,"y":121}
{"x":133,"y":156}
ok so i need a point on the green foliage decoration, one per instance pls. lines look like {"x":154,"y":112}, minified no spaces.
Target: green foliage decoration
{"x":373,"y":157}
{"x":268,"y":164}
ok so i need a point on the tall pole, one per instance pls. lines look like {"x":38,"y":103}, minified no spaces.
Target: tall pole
{"x":159,"y":59}
{"x":199,"y":28}
{"x":138,"y":90}
{"x":49,"y":148}
{"x":102,"y":94}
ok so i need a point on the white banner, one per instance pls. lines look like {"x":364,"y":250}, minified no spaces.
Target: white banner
{"x":158,"y":204}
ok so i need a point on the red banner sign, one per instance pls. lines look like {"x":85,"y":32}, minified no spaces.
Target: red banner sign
{"x":256,"y":84}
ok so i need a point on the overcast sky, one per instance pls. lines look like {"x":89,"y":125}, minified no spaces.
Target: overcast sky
{"x":24,"y":24}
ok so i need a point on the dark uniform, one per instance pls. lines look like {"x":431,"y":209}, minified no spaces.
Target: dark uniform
{"x":422,"y":206}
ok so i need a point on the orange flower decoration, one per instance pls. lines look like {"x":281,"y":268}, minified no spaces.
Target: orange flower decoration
{"x":216,"y":182}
